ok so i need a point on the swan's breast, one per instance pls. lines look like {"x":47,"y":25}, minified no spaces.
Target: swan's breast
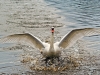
{"x":48,"y":53}
{"x":57,"y":48}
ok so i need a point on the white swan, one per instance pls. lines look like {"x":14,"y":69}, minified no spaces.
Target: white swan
{"x":51,"y":50}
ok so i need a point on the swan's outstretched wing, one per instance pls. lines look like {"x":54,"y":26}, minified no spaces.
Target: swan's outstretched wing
{"x":68,"y":40}
{"x":23,"y":39}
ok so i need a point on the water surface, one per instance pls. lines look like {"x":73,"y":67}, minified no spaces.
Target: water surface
{"x":84,"y":13}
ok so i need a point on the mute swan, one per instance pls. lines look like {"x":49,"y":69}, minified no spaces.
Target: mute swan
{"x":52,"y":50}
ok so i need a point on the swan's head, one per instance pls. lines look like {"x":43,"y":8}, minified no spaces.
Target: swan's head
{"x":52,"y":29}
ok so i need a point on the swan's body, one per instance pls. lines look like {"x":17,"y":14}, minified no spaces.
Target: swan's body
{"x":53,"y":49}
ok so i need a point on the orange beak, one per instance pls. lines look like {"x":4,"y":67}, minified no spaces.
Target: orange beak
{"x":52,"y":29}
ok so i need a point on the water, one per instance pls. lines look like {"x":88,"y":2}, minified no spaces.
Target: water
{"x":10,"y":61}
{"x":77,"y":13}
{"x":82,"y":14}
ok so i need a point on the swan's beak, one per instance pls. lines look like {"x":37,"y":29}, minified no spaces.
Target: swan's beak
{"x":52,"y":29}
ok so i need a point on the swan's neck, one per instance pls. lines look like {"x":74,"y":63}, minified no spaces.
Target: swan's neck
{"x":52,"y":42}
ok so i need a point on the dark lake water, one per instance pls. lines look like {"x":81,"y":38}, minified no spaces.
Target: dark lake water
{"x":83,"y":13}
